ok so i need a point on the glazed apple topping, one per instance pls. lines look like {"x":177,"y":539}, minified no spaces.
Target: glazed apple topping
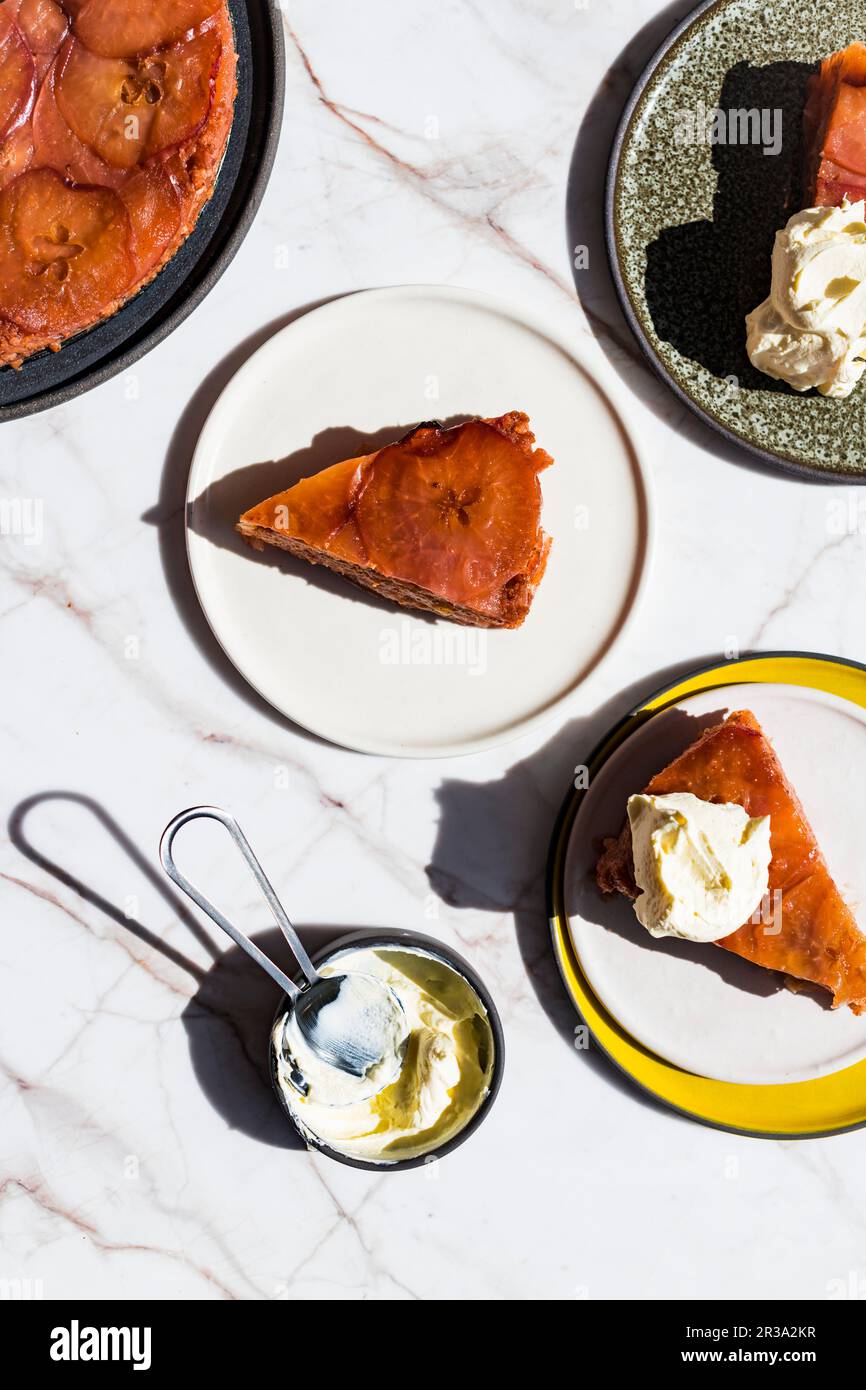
{"x":114,"y":115}
{"x":455,"y":513}
{"x":64,"y":252}
{"x":127,"y":110}
{"x":56,"y":146}
{"x":16,"y":153}
{"x":43,"y":24}
{"x":123,"y":28}
{"x":17,"y":75}
{"x":153,"y":203}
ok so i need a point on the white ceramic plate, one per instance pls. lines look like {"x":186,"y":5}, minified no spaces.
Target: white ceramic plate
{"x":700,"y":1007}
{"x":342,"y":662}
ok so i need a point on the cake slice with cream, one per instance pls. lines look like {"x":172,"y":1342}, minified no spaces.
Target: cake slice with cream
{"x":803,"y":927}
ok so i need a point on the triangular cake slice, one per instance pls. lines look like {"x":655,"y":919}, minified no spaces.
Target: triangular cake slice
{"x":819,"y":940}
{"x":447,"y":520}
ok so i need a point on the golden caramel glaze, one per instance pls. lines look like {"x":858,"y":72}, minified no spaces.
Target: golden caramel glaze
{"x":819,"y":940}
{"x":453,"y":515}
{"x":834,"y":129}
{"x":114,"y":118}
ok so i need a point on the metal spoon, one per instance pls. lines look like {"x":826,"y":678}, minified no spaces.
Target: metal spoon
{"x":358,"y":1039}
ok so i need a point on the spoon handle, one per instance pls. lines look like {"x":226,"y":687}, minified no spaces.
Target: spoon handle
{"x":174,"y":873}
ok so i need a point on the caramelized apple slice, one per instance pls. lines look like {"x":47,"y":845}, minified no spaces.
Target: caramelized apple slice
{"x":125,"y":28}
{"x":43,"y":24}
{"x":128,"y":110}
{"x":17,"y":75}
{"x":64,"y":252}
{"x":454,"y":512}
{"x":833,"y":129}
{"x":845,"y":144}
{"x":16,"y":153}
{"x":58,"y":147}
{"x":153,"y":203}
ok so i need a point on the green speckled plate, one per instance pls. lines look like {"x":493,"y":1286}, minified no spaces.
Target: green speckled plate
{"x":690,"y":224}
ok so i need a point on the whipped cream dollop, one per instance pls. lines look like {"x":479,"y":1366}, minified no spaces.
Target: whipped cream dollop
{"x":811,"y":330}
{"x":702,"y":867}
{"x":444,"y":1077}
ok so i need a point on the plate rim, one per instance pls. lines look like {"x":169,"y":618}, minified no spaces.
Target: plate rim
{"x":791,"y":467}
{"x":671,"y":1086}
{"x":116,"y":362}
{"x":524,"y":315}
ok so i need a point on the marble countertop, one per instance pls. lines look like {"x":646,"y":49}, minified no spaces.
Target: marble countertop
{"x":141,"y":1152}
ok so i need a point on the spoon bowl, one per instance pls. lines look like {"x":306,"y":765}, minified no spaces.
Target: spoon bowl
{"x":354,"y":1022}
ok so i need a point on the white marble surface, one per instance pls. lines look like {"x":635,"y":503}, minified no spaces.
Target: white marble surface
{"x":141,"y":1154}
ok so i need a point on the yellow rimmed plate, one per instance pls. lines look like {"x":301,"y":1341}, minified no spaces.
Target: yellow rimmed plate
{"x":826,"y":1104}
